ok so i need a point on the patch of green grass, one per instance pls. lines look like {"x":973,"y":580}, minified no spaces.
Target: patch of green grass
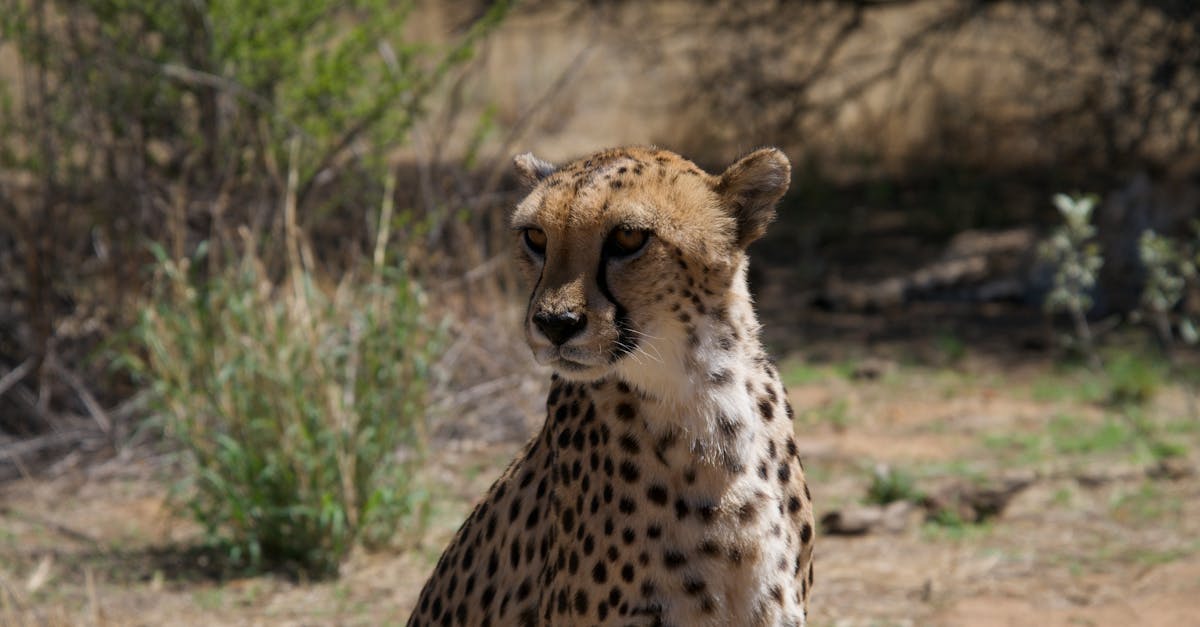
{"x":1022,"y":448}
{"x":1146,"y":503}
{"x":800,"y":372}
{"x":1073,"y":436}
{"x":1079,"y":386}
{"x":834,"y":413}
{"x":1157,"y":557}
{"x":209,"y":598}
{"x":947,"y":525}
{"x":1068,"y":435}
{"x":1132,"y":378}
{"x":969,"y":469}
{"x":889,"y":485}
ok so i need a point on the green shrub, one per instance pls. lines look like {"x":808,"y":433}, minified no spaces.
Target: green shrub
{"x":1171,"y":266}
{"x":300,"y":409}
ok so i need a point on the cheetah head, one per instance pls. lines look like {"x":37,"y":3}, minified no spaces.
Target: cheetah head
{"x":626,"y":248}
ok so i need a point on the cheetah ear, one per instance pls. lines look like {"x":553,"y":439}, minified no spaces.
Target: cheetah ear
{"x":532,"y":170}
{"x":751,"y":187}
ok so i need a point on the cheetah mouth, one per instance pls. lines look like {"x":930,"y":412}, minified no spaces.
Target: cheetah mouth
{"x":567,"y":364}
{"x":567,"y":360}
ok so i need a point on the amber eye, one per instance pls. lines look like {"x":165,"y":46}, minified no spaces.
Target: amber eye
{"x":624,"y":241}
{"x":535,"y":239}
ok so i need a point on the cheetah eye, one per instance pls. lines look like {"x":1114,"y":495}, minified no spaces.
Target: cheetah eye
{"x":625,"y":241}
{"x":535,"y":239}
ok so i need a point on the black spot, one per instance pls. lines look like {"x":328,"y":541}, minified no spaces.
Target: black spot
{"x":629,"y":471}
{"x":629,"y":443}
{"x":673,"y":559}
{"x":657,"y":494}
{"x":747,"y":511}
{"x":599,"y":573}
{"x":806,"y":533}
{"x":764,"y":408}
{"x":626,"y":412}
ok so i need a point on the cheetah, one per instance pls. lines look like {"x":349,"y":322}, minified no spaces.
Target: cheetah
{"x":665,"y":487}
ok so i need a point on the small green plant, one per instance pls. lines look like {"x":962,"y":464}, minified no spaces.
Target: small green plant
{"x":1075,"y":256}
{"x":951,"y":348}
{"x":1132,"y":379}
{"x":889,"y":485}
{"x":1170,"y":266}
{"x":300,"y":409}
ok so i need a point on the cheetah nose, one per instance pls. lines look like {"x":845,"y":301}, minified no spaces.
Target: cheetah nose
{"x":559,"y":327}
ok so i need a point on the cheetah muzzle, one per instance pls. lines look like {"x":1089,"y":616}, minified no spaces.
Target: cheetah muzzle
{"x":665,"y":487}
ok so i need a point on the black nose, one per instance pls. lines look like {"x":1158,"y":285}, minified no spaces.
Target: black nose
{"x":559,"y":327}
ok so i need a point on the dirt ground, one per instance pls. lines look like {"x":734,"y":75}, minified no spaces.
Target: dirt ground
{"x":1097,"y":538}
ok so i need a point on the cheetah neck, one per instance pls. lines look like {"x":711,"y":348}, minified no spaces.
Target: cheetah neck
{"x":709,"y":378}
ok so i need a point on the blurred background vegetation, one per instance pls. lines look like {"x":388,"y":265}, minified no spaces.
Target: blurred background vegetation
{"x":272,"y":235}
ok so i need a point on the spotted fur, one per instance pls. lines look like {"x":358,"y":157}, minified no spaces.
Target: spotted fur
{"x":665,"y":487}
